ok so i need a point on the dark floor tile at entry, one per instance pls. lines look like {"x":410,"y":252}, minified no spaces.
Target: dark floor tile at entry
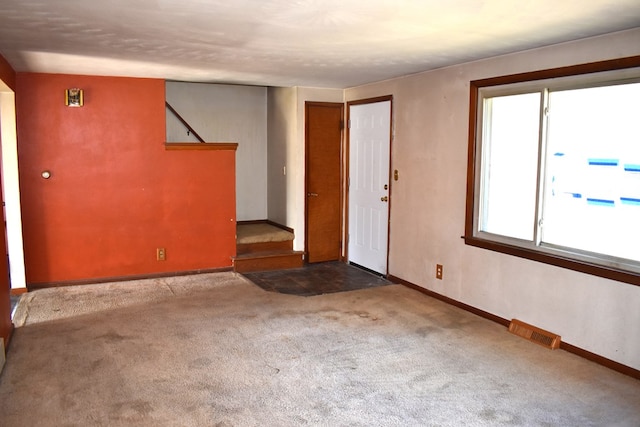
{"x":316,"y":279}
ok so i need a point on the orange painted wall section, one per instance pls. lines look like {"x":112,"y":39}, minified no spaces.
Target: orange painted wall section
{"x":115,"y":194}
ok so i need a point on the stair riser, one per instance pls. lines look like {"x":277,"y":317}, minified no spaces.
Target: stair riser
{"x":280,"y":262}
{"x":252,"y":248}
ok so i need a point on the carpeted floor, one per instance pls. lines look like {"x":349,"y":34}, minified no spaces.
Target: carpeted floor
{"x":216,"y":350}
{"x":260,"y":233}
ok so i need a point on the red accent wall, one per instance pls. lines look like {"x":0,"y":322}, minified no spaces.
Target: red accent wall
{"x":8,"y":76}
{"x":115,"y":194}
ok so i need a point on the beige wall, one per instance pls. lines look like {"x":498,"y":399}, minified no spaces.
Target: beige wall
{"x":281,"y":175}
{"x":428,"y":209}
{"x":287,"y":144}
{"x":228,"y":113}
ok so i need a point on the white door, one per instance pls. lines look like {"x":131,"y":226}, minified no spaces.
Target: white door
{"x":369,"y":146}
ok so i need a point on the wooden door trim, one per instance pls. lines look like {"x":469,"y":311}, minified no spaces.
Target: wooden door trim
{"x":347,"y":148}
{"x":340,"y":105}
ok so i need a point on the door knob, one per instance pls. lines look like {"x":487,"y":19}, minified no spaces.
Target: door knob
{"x":384,"y":199}
{"x":312,"y":194}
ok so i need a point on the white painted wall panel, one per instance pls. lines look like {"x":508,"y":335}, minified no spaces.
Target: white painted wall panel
{"x":11,"y":187}
{"x":282,"y":132}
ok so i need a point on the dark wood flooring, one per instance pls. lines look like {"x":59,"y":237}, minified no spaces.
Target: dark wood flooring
{"x":317,"y":279}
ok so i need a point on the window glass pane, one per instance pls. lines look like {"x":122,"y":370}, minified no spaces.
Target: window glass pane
{"x":592,"y":178}
{"x":510,"y":161}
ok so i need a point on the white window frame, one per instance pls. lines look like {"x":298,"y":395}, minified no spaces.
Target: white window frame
{"x":579,"y":76}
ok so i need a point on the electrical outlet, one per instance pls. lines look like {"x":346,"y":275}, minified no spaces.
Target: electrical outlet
{"x":161,"y":254}
{"x":439,"y":271}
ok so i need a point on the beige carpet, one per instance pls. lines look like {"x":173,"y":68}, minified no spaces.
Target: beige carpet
{"x":216,"y":350}
{"x":260,"y":233}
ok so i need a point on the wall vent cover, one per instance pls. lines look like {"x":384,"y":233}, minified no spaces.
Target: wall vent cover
{"x":534,"y":334}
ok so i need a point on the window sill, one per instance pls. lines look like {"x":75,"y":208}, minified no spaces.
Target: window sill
{"x":559,"y":261}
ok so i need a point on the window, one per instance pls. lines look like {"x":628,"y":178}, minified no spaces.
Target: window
{"x":554,"y":167}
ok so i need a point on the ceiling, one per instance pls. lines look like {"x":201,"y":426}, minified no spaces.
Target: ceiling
{"x":316,"y":43}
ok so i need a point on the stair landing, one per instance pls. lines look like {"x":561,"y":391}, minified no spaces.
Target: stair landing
{"x":263,"y":247}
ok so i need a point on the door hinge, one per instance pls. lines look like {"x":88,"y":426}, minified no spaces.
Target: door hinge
{"x":349,"y":123}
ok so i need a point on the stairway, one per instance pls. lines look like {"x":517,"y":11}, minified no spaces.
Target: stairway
{"x":262,"y":246}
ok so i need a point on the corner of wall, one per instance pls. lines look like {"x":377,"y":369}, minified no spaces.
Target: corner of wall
{"x":7,"y":73}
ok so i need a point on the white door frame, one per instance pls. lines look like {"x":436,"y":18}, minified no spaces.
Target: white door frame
{"x":11,"y":187}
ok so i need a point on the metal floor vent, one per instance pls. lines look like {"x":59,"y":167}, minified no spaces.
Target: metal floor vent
{"x":537,"y":335}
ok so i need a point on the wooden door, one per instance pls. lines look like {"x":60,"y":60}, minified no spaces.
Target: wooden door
{"x":369,"y":159}
{"x":323,"y":164}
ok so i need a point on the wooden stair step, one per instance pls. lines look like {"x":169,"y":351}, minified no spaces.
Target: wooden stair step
{"x":259,"y":247}
{"x":263,"y":261}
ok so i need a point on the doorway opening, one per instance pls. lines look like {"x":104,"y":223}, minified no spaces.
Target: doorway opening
{"x":11,"y":187}
{"x":348,"y":183}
